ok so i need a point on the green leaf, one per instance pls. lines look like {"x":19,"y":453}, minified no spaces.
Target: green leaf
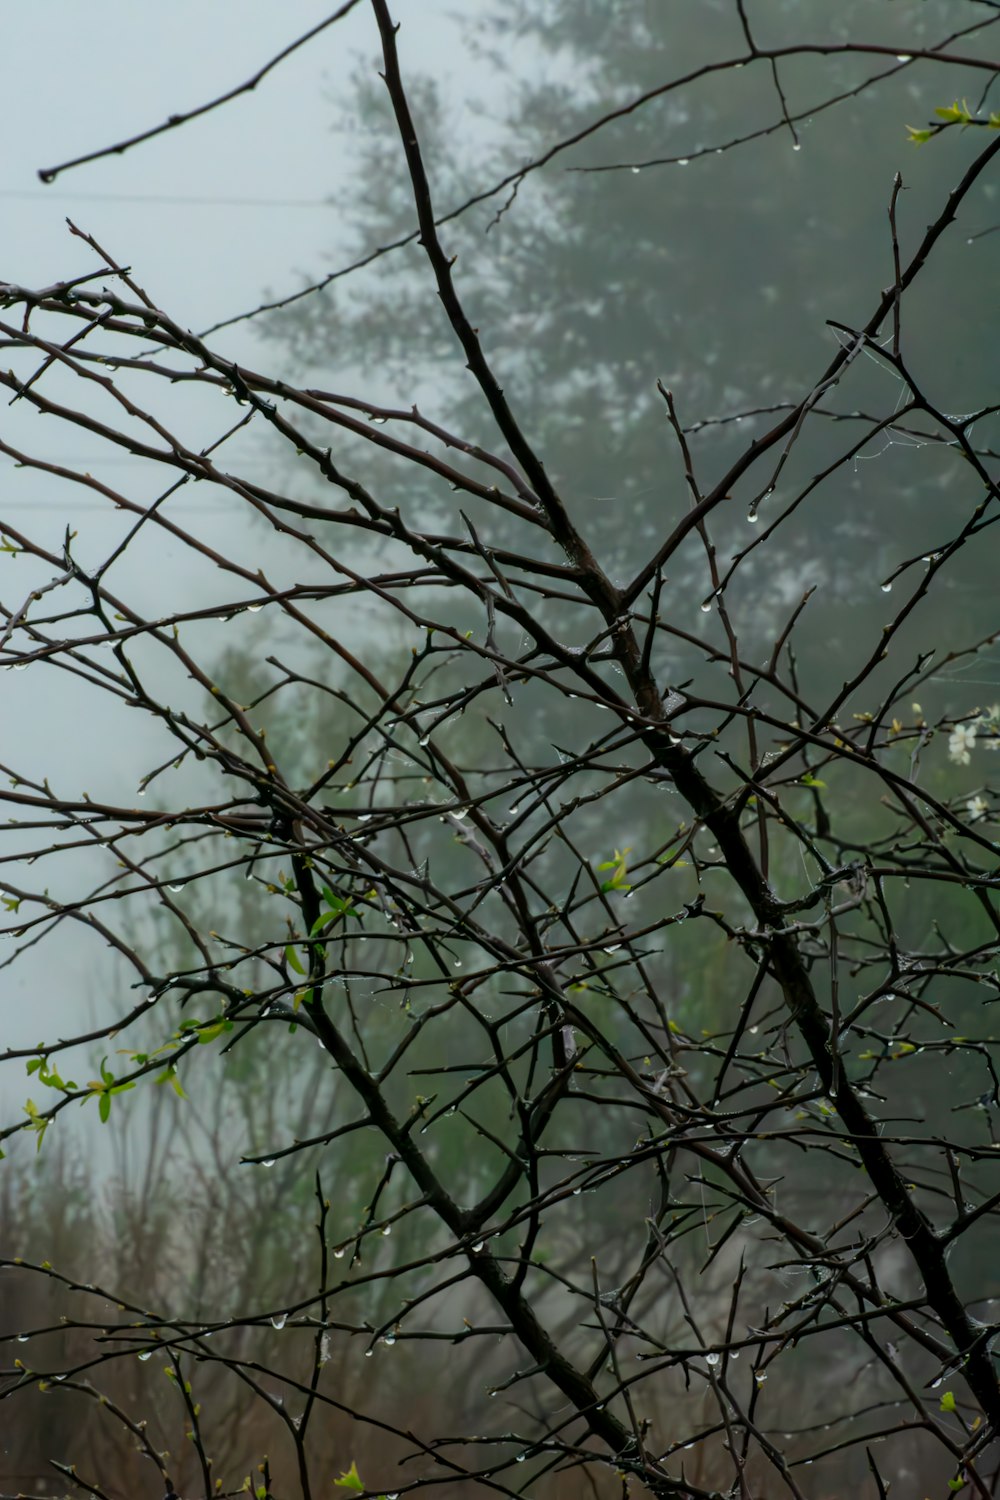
{"x":350,"y":1479}
{"x":618,"y":866}
{"x":104,"y":1108}
{"x":215,"y":1029}
{"x":293,"y":959}
{"x":169,"y":1075}
{"x":918,"y":137}
{"x":947,"y":1401}
{"x":955,"y":114}
{"x":36,"y":1122}
{"x":811,"y":781}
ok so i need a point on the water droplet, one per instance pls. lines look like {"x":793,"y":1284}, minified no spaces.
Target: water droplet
{"x":386,"y":1231}
{"x":520,"y":1458}
{"x":712,"y":1358}
{"x":269,"y":1162}
{"x":706,"y":606}
{"x":389,"y":1340}
{"x":635,"y":171}
{"x":735,"y":1354}
{"x":683,"y":161}
{"x":425,"y":739}
{"x":146,"y":1354}
{"x":760,"y":1376}
{"x":369,"y":1353}
{"x":887,"y":588}
{"x":904,"y":57}
{"x":178,"y":887}
{"x":460,"y":814}
{"x":22,"y":1338}
{"x":797,"y":146}
{"x":338,"y":1254}
{"x":379,"y":421}
{"x":612,"y":948}
{"x":477,"y":1247}
{"x":279,"y":1320}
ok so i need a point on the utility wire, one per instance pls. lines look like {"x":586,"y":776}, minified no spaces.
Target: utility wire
{"x":174,"y":199}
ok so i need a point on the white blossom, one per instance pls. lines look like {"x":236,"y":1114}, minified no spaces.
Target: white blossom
{"x":961,"y":742}
{"x":977,"y":808}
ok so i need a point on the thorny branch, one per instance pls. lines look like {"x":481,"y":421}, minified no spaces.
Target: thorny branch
{"x":418,"y":907}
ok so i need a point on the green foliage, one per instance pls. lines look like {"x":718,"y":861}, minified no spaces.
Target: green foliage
{"x":618,"y":866}
{"x":350,"y":1479}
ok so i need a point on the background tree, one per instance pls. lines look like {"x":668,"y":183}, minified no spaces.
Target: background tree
{"x":588,"y":940}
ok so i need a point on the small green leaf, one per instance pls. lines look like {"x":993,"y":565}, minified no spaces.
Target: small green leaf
{"x":811,"y":781}
{"x":350,"y":1479}
{"x":169,"y":1075}
{"x":36,"y":1122}
{"x":618,"y":866}
{"x":918,"y":137}
{"x":293,"y":959}
{"x":955,"y":114}
{"x":104,"y":1108}
{"x":947,"y":1401}
{"x":215,"y":1029}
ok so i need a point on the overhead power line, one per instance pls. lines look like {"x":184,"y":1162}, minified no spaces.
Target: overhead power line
{"x":168,"y":198}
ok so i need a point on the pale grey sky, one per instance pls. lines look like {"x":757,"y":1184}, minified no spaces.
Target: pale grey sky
{"x":71,"y":87}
